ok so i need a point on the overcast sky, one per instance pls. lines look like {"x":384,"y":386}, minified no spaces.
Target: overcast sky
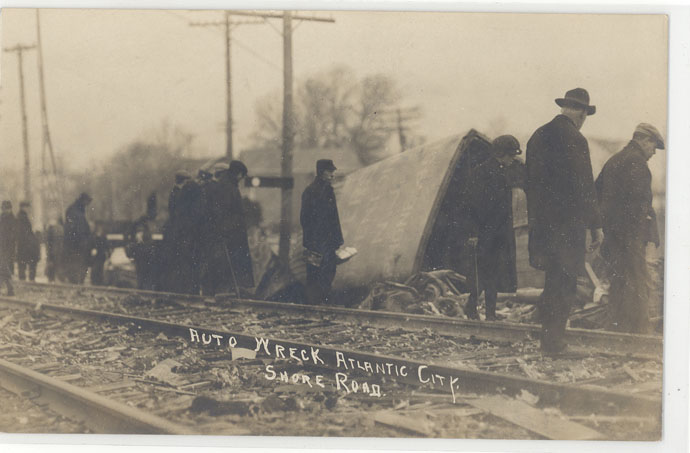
{"x":114,"y":75}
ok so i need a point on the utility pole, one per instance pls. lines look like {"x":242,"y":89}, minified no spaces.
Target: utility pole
{"x":19,"y":49}
{"x":288,"y":122}
{"x":288,"y":141}
{"x":51,"y":193}
{"x":228,"y":24}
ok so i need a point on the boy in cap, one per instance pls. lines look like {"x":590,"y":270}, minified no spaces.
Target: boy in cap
{"x":624,"y":187}
{"x":485,"y":214}
{"x":321,"y":233}
{"x":8,"y":246}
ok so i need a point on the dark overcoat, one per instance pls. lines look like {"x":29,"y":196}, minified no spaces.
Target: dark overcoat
{"x":227,"y":225}
{"x":77,"y":230}
{"x":561,"y":201}
{"x":485,"y":211}
{"x":624,"y":187}
{"x":8,"y":240}
{"x":319,"y":218}
{"x":27,"y":252}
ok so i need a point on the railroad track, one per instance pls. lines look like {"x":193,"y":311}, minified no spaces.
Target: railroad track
{"x":418,"y":365}
{"x":613,"y":343}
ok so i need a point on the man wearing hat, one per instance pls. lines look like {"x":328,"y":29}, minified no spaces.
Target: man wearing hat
{"x":624,"y":187}
{"x":561,"y":206}
{"x":485,"y":215}
{"x":28,"y":248}
{"x":321,"y":233}
{"x":8,"y":246}
{"x":76,"y":240}
{"x":228,"y":259}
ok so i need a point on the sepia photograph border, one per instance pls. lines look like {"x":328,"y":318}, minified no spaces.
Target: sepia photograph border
{"x":677,"y":281}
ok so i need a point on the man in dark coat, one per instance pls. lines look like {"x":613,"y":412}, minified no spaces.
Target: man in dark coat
{"x":485,"y":213}
{"x":99,"y":251}
{"x":184,"y":228}
{"x":561,"y":205}
{"x":143,"y":251}
{"x":76,"y":240}
{"x":229,"y":262}
{"x":8,"y":245}
{"x":624,"y":187}
{"x":321,"y":233}
{"x":28,"y":248}
{"x":54,"y":242}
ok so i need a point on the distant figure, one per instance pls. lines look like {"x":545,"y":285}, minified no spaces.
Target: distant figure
{"x":99,"y":252}
{"x":8,"y":245}
{"x":76,"y":240}
{"x":183,"y":235}
{"x":624,"y":187}
{"x":485,"y":213}
{"x":561,"y":205}
{"x":142,"y":250}
{"x":321,"y":233}
{"x":54,"y":242}
{"x":228,"y":261}
{"x":28,"y":247}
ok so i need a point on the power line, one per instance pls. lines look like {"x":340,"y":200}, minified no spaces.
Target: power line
{"x":228,"y":24}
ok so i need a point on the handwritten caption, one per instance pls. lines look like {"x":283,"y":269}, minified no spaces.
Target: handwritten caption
{"x":340,"y":361}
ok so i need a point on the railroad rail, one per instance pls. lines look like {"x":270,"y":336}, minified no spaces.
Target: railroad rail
{"x":569,"y":398}
{"x":642,"y":346}
{"x":101,"y":414}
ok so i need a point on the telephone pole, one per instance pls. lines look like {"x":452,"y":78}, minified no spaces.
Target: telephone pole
{"x":20,"y":49}
{"x":51,"y":192}
{"x":228,"y":24}
{"x":288,"y":120}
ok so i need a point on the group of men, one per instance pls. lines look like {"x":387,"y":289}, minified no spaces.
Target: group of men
{"x":206,"y":246}
{"x":205,"y":239}
{"x":18,"y":244}
{"x":563,"y":203}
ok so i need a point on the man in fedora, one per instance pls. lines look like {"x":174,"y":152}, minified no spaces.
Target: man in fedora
{"x":561,"y":206}
{"x":321,"y":231}
{"x":624,"y":187}
{"x":485,"y":213}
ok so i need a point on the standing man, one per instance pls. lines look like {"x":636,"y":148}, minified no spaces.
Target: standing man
{"x":561,"y":206}
{"x":184,"y":237}
{"x":99,"y":252}
{"x":8,"y":245}
{"x":229,"y":260}
{"x":76,"y":240}
{"x":28,"y":248}
{"x":624,"y":187}
{"x":486,"y":215}
{"x":321,"y":232}
{"x":54,"y":241}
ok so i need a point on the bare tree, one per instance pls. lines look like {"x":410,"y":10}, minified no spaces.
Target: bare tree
{"x":334,"y":109}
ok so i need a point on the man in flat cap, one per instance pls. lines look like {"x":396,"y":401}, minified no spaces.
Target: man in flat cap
{"x":8,"y":245}
{"x":321,"y":233}
{"x":485,"y":216}
{"x":561,"y":206}
{"x":624,"y":187}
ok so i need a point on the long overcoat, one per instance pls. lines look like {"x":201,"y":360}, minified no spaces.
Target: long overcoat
{"x":561,"y":201}
{"x":8,"y":241}
{"x":624,"y":187}
{"x":319,"y":218}
{"x":27,"y":252}
{"x":485,"y":211}
{"x":227,"y":227}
